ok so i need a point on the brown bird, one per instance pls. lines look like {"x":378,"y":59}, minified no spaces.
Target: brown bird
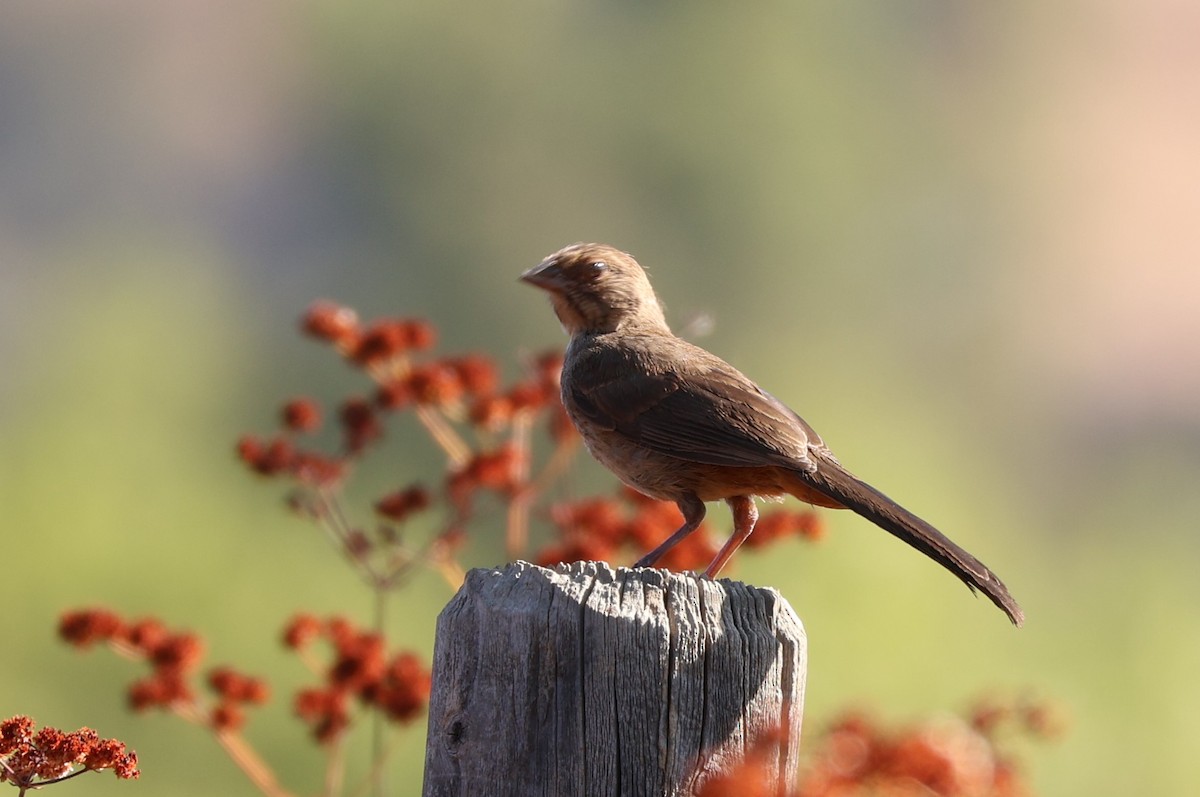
{"x":678,"y":423}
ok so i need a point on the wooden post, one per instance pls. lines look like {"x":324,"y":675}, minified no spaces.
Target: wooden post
{"x":585,"y":681}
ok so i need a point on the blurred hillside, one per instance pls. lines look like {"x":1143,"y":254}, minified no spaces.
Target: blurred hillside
{"x":960,"y":239}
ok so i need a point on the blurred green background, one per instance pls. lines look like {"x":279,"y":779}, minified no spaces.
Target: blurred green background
{"x":959,"y":238}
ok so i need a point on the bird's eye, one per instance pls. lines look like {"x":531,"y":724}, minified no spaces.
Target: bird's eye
{"x":598,"y":266}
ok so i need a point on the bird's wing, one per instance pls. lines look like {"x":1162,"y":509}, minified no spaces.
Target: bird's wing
{"x":696,"y":407}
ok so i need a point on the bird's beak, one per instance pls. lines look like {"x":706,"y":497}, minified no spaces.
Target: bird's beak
{"x":546,"y":275}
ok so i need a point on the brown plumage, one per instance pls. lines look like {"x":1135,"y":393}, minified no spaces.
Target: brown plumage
{"x":680,"y":424}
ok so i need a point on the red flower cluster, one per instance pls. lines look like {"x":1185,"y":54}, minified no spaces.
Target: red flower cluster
{"x":384,"y":340}
{"x":174,"y":658}
{"x":856,"y":757}
{"x":398,"y":686}
{"x":301,"y":415}
{"x":462,"y":405}
{"x":400,"y":505}
{"x":379,"y":341}
{"x":361,"y":425}
{"x":1034,"y":717}
{"x":278,"y":455}
{"x":805,"y":524}
{"x":492,"y":470}
{"x":491,"y":410}
{"x":949,"y":757}
{"x":333,"y":323}
{"x":598,"y":528}
{"x":756,"y":775}
{"x":385,"y":347}
{"x":30,"y":760}
{"x":234,"y":690}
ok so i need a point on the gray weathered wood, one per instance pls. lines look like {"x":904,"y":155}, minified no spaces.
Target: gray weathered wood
{"x":589,"y":681}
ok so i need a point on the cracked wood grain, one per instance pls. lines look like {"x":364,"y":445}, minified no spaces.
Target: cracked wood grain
{"x":585,"y":681}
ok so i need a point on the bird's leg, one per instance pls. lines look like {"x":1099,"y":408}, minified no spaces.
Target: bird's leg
{"x":745,"y":515}
{"x":693,"y":512}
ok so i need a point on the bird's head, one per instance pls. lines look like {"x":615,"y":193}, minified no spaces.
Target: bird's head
{"x":596,"y":288}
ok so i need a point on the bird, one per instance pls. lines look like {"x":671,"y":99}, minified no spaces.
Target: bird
{"x":677,"y":423}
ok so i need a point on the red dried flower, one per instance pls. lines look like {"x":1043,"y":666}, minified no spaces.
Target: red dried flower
{"x":146,"y":635}
{"x":497,"y":470}
{"x":310,"y":703}
{"x":359,"y":424}
{"x":527,"y":396}
{"x":340,"y":630}
{"x":14,"y":732}
{"x":380,"y":342}
{"x":265,"y":458}
{"x":1043,"y":719}
{"x":325,"y":710}
{"x":360,"y":662}
{"x":161,"y":690}
{"x":987,"y":715}
{"x":404,"y":690}
{"x":420,"y":335}
{"x":331,"y":322}
{"x":172,"y":656}
{"x":596,"y":519}
{"x":56,"y":759}
{"x":235,"y":687}
{"x":494,"y":470}
{"x":180,"y":652}
{"x":81,"y":742}
{"x":255,"y":691}
{"x":913,"y":756}
{"x":810,"y":525}
{"x":771,"y":527}
{"x":756,"y":775}
{"x":146,"y":693}
{"x":435,"y":384}
{"x":491,"y":412}
{"x":1006,"y":781}
{"x":29,"y":760}
{"x":476,"y":373}
{"x":228,"y":716}
{"x":22,"y":765}
{"x":249,"y":449}
{"x":300,"y":630}
{"x":358,"y":544}
{"x":276,"y":458}
{"x":394,"y":394}
{"x":317,"y":470}
{"x":750,"y":778}
{"x":399,"y":686}
{"x":945,"y":757}
{"x":399,"y":505}
{"x":112,"y":754}
{"x":84,"y":628}
{"x":301,"y":415}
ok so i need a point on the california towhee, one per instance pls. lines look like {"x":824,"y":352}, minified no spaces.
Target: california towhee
{"x":680,"y":424}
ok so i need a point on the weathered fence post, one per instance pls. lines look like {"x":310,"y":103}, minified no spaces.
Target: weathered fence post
{"x":585,"y":681}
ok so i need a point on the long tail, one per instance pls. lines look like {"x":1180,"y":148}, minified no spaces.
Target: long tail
{"x":832,"y":480}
